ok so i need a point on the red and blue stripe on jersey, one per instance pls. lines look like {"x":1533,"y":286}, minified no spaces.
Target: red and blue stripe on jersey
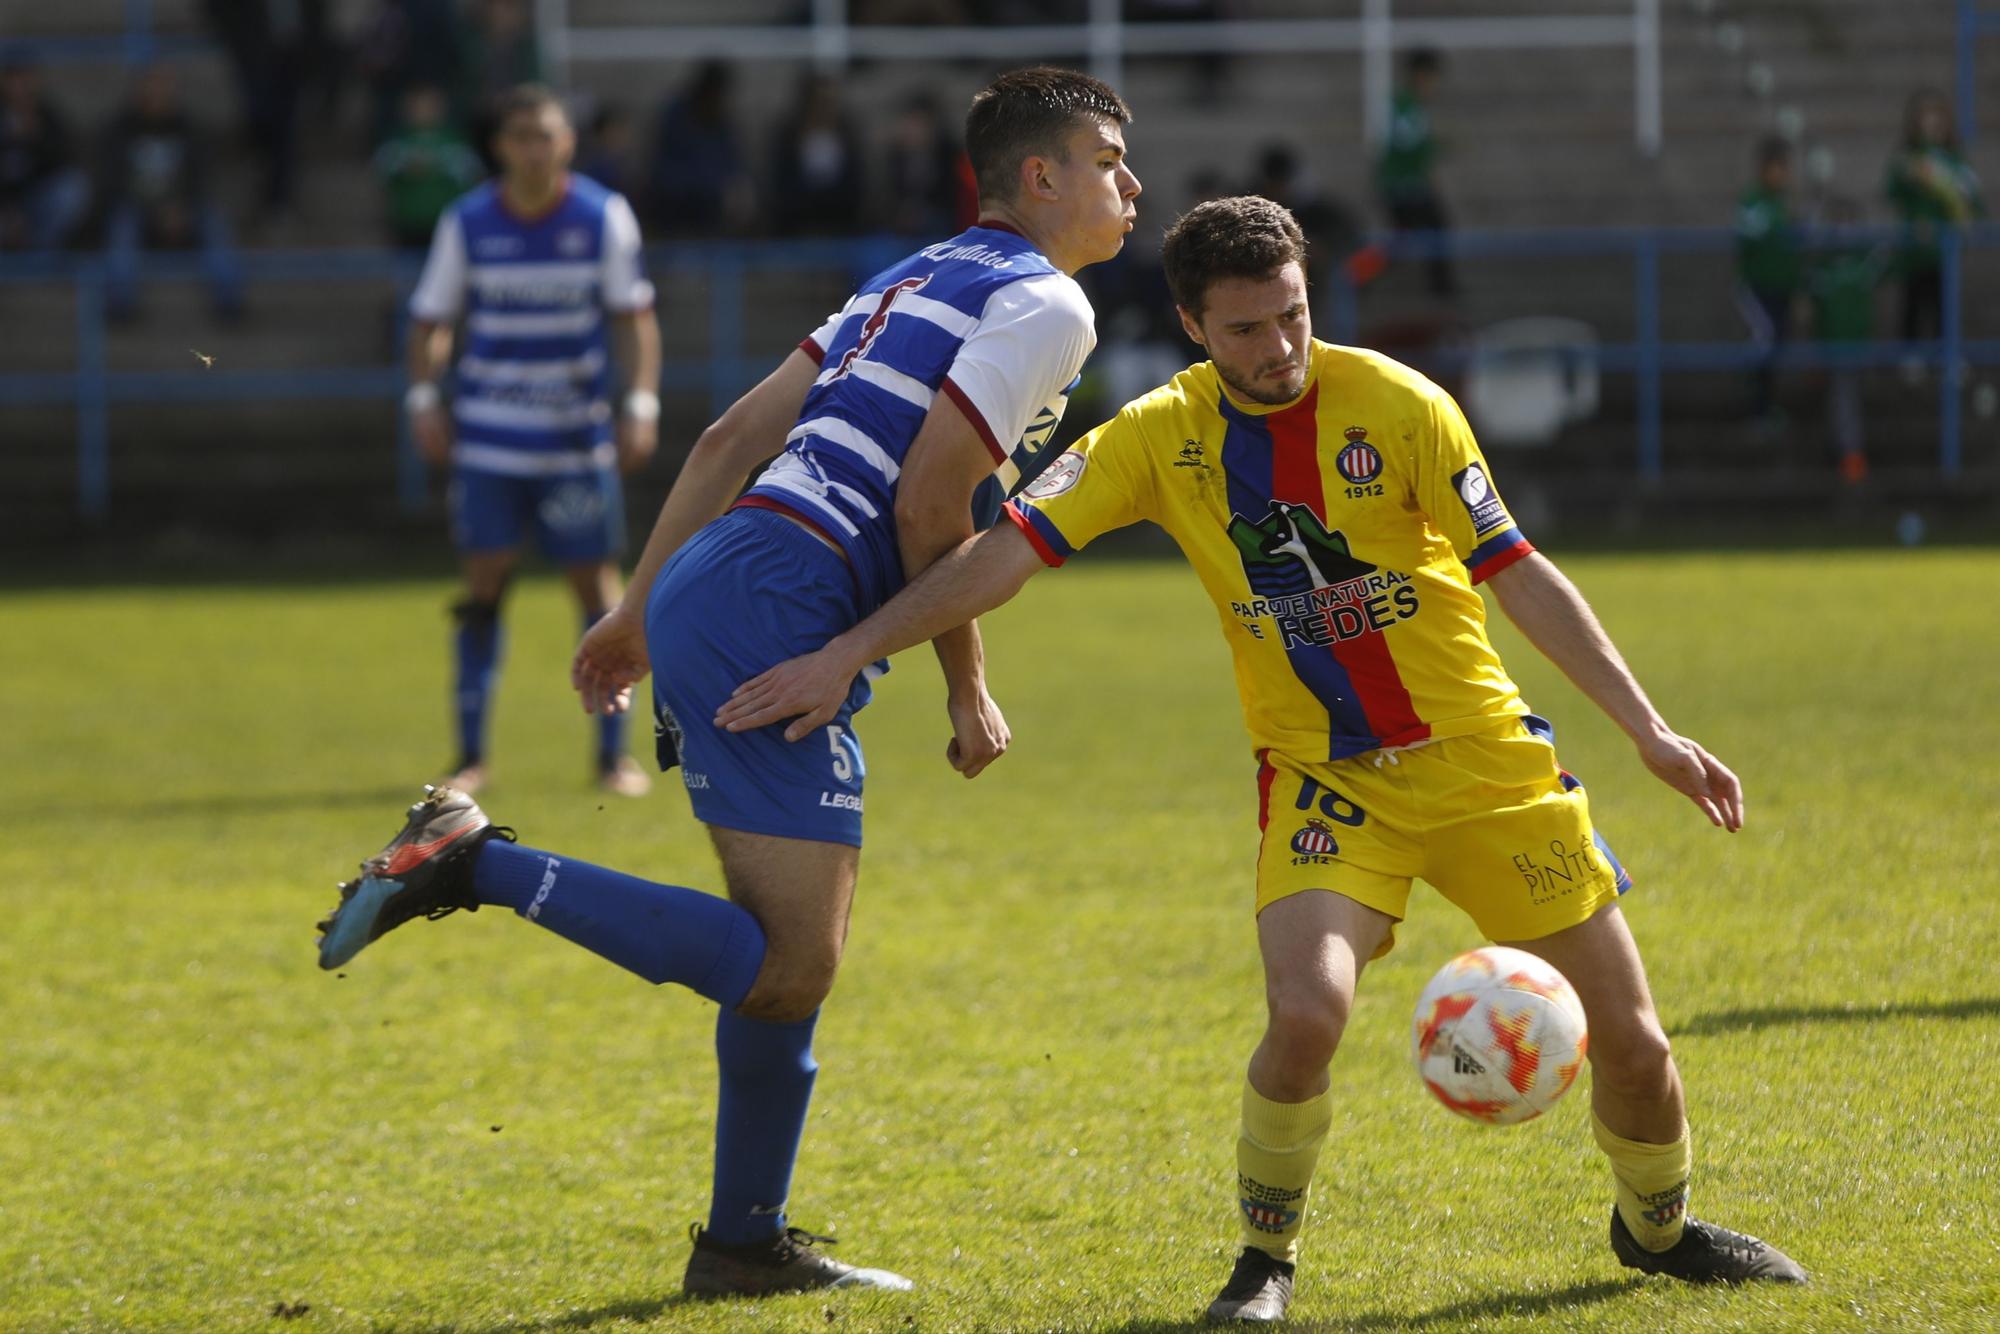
{"x":1496,"y":553}
{"x":1274,"y":457}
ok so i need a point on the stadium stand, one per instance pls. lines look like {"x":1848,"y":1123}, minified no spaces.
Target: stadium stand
{"x":1535,"y":139}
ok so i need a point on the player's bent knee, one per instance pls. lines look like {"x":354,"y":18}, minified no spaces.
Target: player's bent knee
{"x":786,"y":994}
{"x":1635,"y":1061}
{"x":1305,"y":1027}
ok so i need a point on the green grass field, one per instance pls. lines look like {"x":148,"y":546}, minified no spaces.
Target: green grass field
{"x":1031,"y":1064}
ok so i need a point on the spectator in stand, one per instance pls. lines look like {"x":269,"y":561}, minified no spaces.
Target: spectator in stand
{"x":699,"y":184}
{"x":1932,"y":187}
{"x":424,"y":166}
{"x":156,"y":191}
{"x":405,"y":43}
{"x":501,"y":54}
{"x":1767,"y":270}
{"x":1331,"y":231}
{"x":816,"y":178}
{"x":274,"y":47}
{"x":1842,"y":281}
{"x":1403,"y":171}
{"x":608,"y":155}
{"x":43,"y":192}
{"x":923,"y":170}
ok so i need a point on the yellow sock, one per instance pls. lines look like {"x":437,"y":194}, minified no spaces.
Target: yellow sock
{"x":1652,"y":1184}
{"x":1276,"y":1150}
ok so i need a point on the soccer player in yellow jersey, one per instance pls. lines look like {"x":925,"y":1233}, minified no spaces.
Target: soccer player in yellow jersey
{"x":1338,"y":511}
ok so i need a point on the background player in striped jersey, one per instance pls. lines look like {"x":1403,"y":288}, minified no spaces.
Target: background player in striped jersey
{"x":1338,"y":511}
{"x":947,"y":371}
{"x":542,"y":264}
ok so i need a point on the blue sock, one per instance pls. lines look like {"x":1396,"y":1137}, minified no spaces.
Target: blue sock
{"x":661,"y":932}
{"x":610,"y":726}
{"x":767,"y":1083}
{"x":478,"y":645}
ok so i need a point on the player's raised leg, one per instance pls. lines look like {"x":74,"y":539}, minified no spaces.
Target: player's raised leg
{"x":476,"y":648}
{"x":1314,"y":945}
{"x":596,"y":586}
{"x":1639,"y":1117}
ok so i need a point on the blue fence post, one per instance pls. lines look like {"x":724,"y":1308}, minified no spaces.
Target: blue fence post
{"x":1968,"y":67}
{"x":725,"y":328}
{"x":1646,"y":316}
{"x":1952,"y":347}
{"x":412,"y":488}
{"x":93,"y":423}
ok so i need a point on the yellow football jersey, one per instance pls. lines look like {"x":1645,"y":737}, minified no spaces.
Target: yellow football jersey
{"x":1340,"y":536}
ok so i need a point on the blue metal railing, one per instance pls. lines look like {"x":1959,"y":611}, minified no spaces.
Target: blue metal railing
{"x":1650,"y":356}
{"x":92,"y":387}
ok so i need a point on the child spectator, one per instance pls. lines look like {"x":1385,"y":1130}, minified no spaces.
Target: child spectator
{"x":157,"y":194}
{"x":607,"y":155}
{"x":1842,"y":282}
{"x":424,"y":166}
{"x":1403,"y":171}
{"x":43,"y":192}
{"x":1767,"y":269}
{"x":699,"y":184}
{"x":1931,"y":187}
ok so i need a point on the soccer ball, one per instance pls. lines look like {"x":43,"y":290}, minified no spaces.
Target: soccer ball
{"x":1498,"y":1035}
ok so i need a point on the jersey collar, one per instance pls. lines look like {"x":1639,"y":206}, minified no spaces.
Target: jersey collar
{"x":562,"y":197}
{"x":1250,"y":409}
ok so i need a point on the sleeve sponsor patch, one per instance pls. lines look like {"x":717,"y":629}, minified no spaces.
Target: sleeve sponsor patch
{"x":1481,"y":501}
{"x":1058,"y":478}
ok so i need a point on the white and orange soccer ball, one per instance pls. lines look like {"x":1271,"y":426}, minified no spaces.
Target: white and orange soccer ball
{"x":1498,"y":1035}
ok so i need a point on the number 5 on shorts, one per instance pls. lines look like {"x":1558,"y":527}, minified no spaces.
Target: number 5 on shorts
{"x":843,"y":767}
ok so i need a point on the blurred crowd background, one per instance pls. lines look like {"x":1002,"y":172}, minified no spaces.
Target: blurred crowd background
{"x":1770,"y":301}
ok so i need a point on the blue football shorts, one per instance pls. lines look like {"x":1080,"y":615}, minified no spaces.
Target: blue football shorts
{"x":576,"y":517}
{"x":747,"y":592}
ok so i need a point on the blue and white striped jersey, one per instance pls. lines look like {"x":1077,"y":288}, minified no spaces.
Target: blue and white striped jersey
{"x":534,"y":377}
{"x":983,"y":318}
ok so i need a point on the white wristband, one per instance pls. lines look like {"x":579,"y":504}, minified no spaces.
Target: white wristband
{"x":642,"y":405}
{"x":421,"y":397}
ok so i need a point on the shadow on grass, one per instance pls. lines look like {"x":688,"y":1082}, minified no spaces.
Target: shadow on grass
{"x":1549,"y":1305}
{"x":250,"y":802}
{"x":632,"y":1308}
{"x":1773,"y":1016}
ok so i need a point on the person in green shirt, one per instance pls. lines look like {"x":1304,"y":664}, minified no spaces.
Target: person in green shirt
{"x":1842,"y":282}
{"x":424,"y":165}
{"x":1767,"y":267}
{"x":1409,"y":152}
{"x":1932,"y":187}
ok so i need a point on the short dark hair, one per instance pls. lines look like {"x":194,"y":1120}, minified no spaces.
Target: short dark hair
{"x":1773,"y":148}
{"x":1423,"y":60}
{"x":1026,"y":112}
{"x":1242,"y":236}
{"x":525,"y":97}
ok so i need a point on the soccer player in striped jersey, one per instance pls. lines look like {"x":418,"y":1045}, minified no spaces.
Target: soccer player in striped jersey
{"x":543,"y":268}
{"x":1339,"y":514}
{"x":944,"y":376}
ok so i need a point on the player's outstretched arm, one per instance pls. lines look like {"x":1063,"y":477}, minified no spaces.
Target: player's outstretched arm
{"x":1553,"y":615}
{"x":972,"y":579}
{"x":942,"y":470}
{"x":612,"y":657}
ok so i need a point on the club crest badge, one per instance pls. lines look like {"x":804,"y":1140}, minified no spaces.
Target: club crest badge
{"x":1315,"y":840}
{"x":1359,"y":461}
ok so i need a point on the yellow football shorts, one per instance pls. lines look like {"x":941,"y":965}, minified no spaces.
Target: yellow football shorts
{"x":1490,"y":820}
